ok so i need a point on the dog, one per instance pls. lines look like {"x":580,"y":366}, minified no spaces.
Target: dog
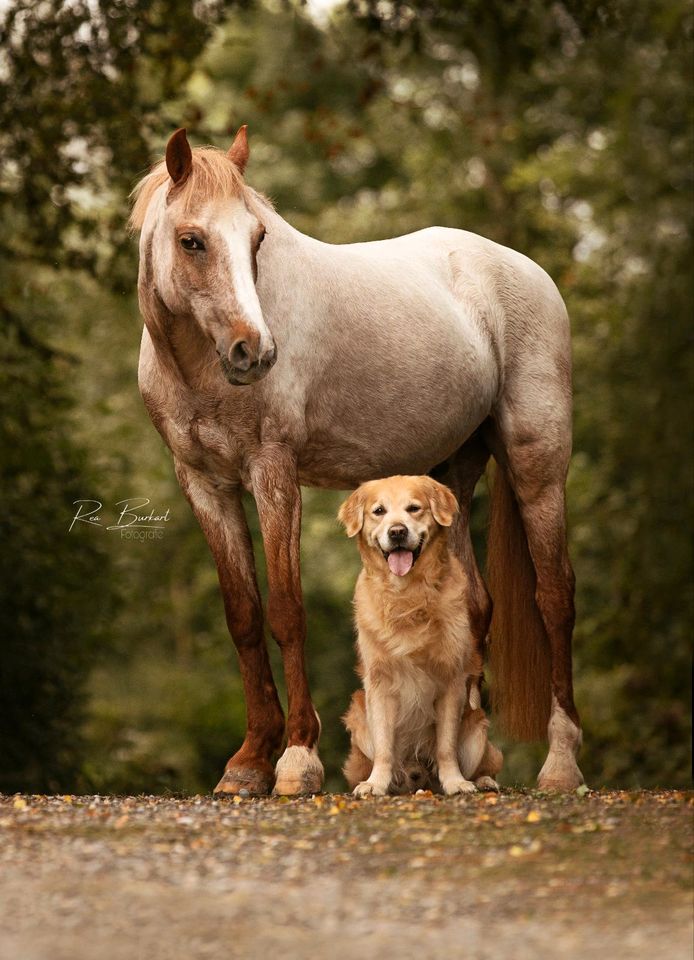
{"x":418,"y":723}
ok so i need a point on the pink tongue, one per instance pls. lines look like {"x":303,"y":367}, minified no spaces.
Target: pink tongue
{"x":400,"y":562}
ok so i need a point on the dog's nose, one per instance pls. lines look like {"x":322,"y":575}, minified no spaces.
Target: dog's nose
{"x":398,"y":533}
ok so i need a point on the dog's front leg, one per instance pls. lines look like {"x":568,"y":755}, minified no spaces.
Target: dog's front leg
{"x":449,"y":710}
{"x":380,"y":716}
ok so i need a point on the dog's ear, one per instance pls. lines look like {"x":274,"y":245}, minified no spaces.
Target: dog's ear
{"x":444,"y":505}
{"x":351,"y":513}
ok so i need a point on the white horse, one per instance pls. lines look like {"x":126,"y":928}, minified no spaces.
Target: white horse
{"x":270,"y":359}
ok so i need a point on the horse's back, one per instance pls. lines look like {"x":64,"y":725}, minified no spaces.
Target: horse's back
{"x":477,"y":270}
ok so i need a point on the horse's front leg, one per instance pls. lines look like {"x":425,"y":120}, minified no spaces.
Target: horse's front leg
{"x":277,"y":492}
{"x":223,"y":522}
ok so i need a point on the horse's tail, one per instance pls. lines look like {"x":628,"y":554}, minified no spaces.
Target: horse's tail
{"x":519,"y":647}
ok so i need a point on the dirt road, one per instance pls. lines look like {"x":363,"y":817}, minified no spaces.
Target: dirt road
{"x":520,"y":875}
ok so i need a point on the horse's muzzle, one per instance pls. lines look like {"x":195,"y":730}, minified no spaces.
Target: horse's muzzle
{"x":245,"y":371}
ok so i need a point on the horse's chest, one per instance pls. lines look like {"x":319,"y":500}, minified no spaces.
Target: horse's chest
{"x":204,"y":443}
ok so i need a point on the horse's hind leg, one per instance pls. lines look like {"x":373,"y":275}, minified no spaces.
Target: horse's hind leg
{"x":224,"y":524}
{"x":534,"y":447}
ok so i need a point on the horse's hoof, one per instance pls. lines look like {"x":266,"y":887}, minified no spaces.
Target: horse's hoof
{"x":245,"y":781}
{"x":298,"y":772}
{"x":560,"y":774}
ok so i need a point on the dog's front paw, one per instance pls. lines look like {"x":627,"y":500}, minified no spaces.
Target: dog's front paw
{"x":487,"y":784}
{"x":453,"y":787}
{"x":366,"y":789}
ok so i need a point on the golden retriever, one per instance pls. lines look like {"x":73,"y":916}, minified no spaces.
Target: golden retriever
{"x":418,"y":722}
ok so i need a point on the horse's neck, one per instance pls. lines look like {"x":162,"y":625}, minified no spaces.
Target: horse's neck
{"x":286,"y":267}
{"x":194,"y":356}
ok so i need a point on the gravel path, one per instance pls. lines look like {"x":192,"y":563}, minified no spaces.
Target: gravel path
{"x":520,"y":875}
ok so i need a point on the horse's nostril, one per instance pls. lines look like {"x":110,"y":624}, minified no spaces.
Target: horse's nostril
{"x":270,"y":357}
{"x":240,"y":355}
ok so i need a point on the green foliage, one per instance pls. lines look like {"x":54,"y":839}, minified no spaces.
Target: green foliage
{"x":54,"y":594}
{"x":561,"y":129}
{"x":68,"y":78}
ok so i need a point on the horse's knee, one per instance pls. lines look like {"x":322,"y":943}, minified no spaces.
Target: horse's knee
{"x":245,"y":622}
{"x":247,"y":636}
{"x":286,"y":617}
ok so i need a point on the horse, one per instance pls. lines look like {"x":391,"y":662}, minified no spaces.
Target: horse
{"x":270,"y":359}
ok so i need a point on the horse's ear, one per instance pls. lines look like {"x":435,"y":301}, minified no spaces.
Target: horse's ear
{"x":351,"y":513}
{"x":179,"y":156}
{"x":238,"y":151}
{"x":444,"y":505}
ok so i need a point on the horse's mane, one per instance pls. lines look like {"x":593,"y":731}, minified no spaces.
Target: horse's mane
{"x":213,"y":175}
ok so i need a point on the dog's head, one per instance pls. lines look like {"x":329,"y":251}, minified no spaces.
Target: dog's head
{"x":398,"y":519}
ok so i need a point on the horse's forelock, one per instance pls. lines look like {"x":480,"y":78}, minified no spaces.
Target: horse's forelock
{"x":212,"y":176}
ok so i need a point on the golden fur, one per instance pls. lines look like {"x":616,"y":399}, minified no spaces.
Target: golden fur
{"x":418,"y":721}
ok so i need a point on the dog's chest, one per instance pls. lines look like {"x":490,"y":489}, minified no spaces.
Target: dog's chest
{"x":416,"y":688}
{"x":428,"y":643}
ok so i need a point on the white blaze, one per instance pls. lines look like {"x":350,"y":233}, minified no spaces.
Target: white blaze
{"x":236,"y":225}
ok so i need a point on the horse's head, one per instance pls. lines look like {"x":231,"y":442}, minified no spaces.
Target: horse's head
{"x":202,"y":232}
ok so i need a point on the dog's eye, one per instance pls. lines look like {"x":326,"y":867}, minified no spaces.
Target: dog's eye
{"x":378,"y":511}
{"x":413,"y":508}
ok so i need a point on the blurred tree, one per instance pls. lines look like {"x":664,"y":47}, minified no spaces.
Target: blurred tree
{"x":49,"y":617}
{"x":70,"y":76}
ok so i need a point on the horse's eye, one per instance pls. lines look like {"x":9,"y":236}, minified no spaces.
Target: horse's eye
{"x":189,"y":242}
{"x":378,"y":511}
{"x":413,"y":508}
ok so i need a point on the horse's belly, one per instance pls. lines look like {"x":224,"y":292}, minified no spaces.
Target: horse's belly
{"x":380,"y":432}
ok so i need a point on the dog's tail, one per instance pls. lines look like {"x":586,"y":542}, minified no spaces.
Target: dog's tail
{"x":519,"y":647}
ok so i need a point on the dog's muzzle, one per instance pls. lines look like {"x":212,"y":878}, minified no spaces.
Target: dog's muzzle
{"x":400,"y":560}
